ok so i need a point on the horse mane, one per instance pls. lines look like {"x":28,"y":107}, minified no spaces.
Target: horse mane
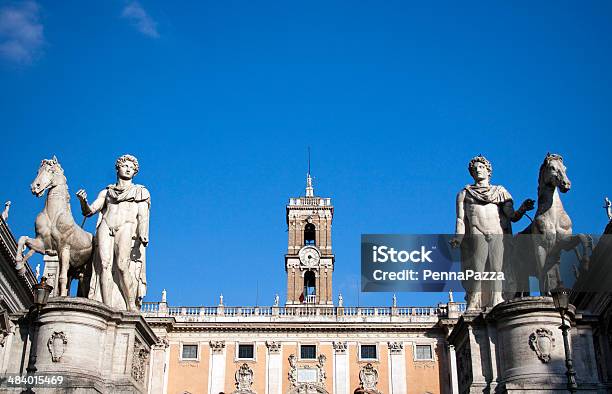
{"x":549,"y":157}
{"x":56,"y":165}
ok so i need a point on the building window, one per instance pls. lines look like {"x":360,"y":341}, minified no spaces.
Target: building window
{"x":368,"y":352}
{"x":246,"y":351}
{"x":310,"y":234}
{"x":189,"y":352}
{"x":423,"y":352}
{"x":308,"y":352}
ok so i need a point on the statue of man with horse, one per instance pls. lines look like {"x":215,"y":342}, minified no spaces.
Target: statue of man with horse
{"x":484,"y":216}
{"x":110,"y":266}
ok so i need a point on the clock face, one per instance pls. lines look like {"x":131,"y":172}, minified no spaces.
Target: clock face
{"x":309,"y":256}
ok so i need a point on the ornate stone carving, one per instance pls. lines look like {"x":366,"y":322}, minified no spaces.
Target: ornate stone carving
{"x":308,"y":388}
{"x":57,"y":345}
{"x":395,"y":347}
{"x":217,"y":346}
{"x":6,"y":327}
{"x":274,"y":347}
{"x":368,"y":378}
{"x":542,"y":342}
{"x":340,"y":347}
{"x":140,"y":362}
{"x":244,"y":380}
{"x":163,"y":343}
{"x":464,"y":359}
{"x":292,"y":370}
{"x":321,"y":366}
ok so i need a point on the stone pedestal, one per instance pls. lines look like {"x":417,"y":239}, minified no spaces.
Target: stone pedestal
{"x":517,"y":347}
{"x":51,"y":272}
{"x":97,"y":349}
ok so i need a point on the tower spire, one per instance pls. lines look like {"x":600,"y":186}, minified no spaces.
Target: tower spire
{"x":309,"y":188}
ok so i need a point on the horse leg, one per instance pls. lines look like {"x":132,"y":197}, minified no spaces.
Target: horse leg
{"x":63,"y":282}
{"x":21,"y":248}
{"x":587,"y":248}
{"x":36,"y":245}
{"x":540,"y":261}
{"x":551,"y":268}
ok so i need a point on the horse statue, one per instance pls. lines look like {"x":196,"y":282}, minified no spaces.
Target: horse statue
{"x":538,"y":248}
{"x":57,"y":234}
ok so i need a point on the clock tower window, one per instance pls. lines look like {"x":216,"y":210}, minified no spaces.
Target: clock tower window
{"x":310,"y":289}
{"x":310,"y":234}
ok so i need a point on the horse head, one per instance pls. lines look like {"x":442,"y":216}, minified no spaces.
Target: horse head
{"x":50,"y":174}
{"x":553,"y":173}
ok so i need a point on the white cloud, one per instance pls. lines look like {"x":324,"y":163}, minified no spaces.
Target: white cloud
{"x":134,"y":12}
{"x":21,"y":33}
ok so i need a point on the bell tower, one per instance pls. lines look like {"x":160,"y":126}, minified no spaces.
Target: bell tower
{"x":309,"y":261}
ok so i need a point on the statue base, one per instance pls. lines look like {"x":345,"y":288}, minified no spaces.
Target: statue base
{"x":517,"y":347}
{"x":95,"y":348}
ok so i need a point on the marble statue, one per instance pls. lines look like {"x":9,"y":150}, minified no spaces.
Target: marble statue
{"x":122,"y":235}
{"x":57,"y":234}
{"x":484,"y":215}
{"x":551,"y":230}
{"x":340,"y":300}
{"x":276,"y":300}
{"x":221,"y":299}
{"x":394,"y":301}
{"x":5,"y":213}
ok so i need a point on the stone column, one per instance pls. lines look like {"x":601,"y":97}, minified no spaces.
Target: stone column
{"x":217,"y":367}
{"x":51,"y":272}
{"x":274,"y":371}
{"x":341,"y":368}
{"x":397,"y":368}
{"x":452,"y":358}
{"x":157,"y":380}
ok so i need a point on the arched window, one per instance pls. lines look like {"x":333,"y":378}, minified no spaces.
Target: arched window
{"x":310,"y":234}
{"x":310,"y":290}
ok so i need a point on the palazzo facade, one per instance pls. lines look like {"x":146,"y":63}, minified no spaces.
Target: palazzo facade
{"x":311,"y":344}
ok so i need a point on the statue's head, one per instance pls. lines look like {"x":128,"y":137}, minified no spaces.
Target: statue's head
{"x":480,"y":168}
{"x":50,"y":173}
{"x":126,"y":166}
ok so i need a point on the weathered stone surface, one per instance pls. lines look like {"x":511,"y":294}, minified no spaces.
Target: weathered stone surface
{"x":97,"y":349}
{"x":517,"y":347}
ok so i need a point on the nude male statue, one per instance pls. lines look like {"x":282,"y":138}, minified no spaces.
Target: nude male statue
{"x":123,"y":226}
{"x":484,"y":215}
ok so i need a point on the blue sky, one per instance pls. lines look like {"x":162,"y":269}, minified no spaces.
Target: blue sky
{"x":219,"y":101}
